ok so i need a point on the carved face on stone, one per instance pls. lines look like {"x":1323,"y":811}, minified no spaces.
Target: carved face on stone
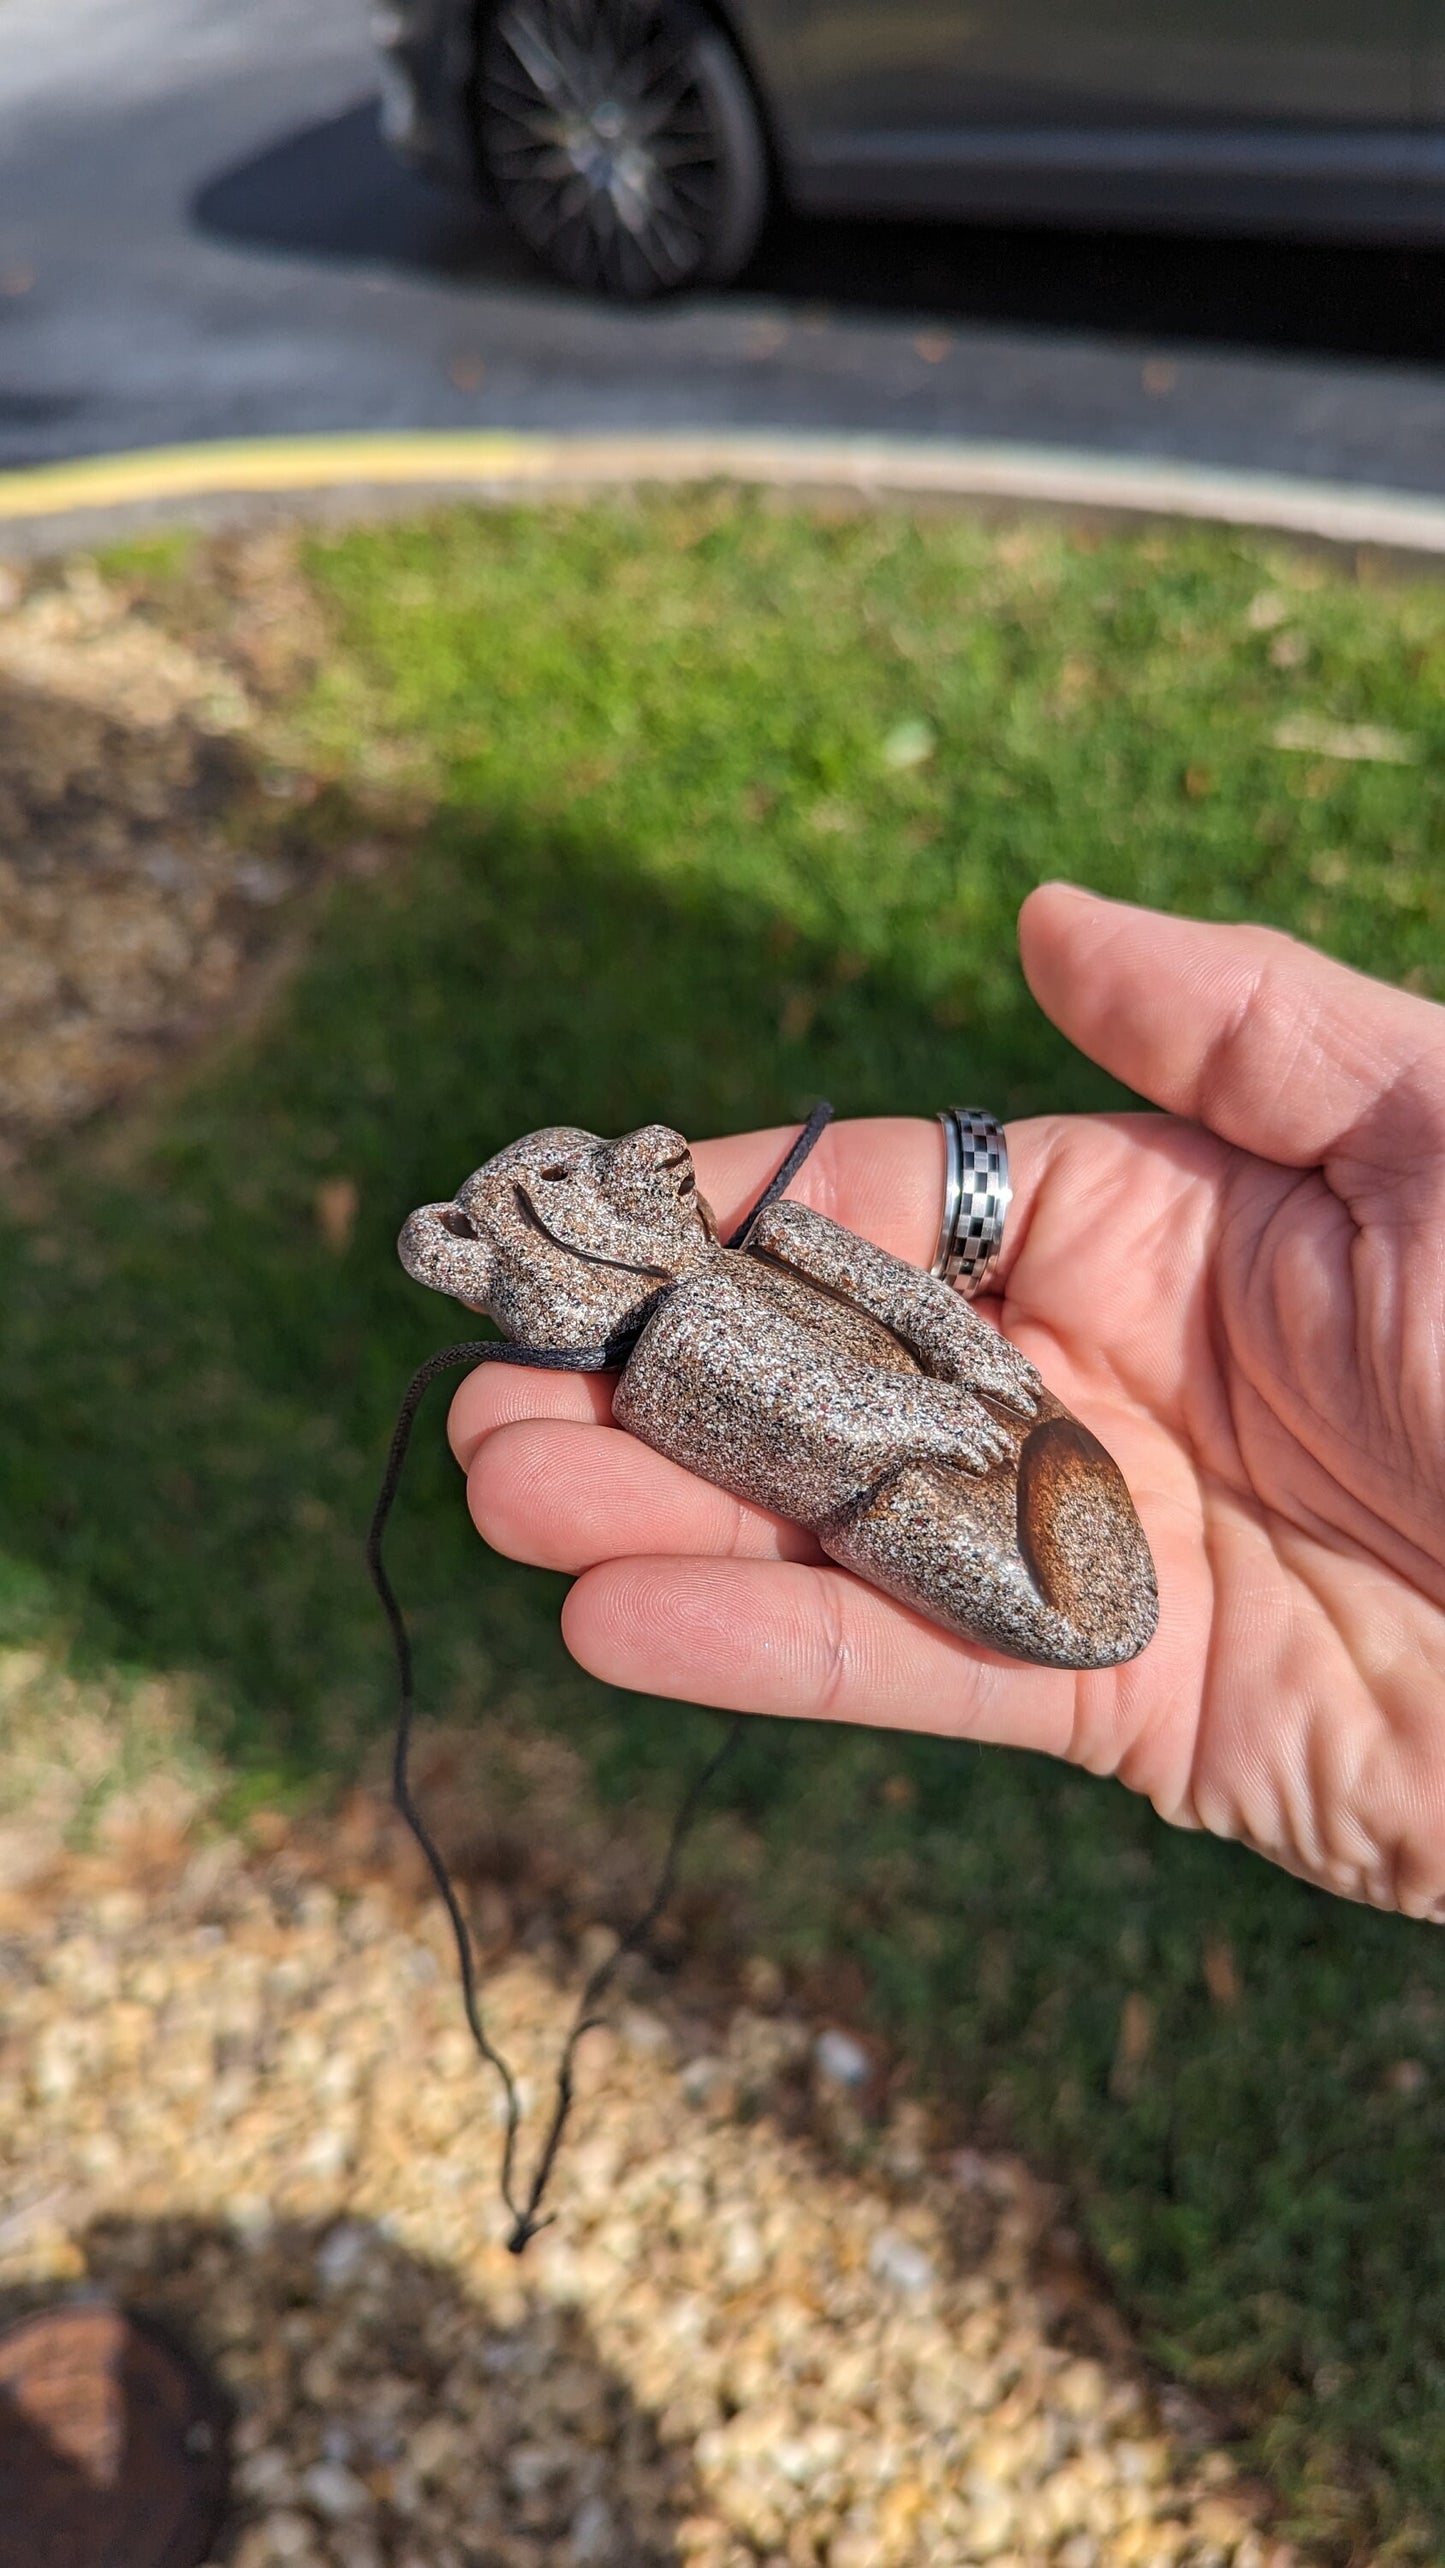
{"x":566,"y":1240}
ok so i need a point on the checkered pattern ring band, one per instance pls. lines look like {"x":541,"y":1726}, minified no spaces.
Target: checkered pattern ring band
{"x":975,"y":1200}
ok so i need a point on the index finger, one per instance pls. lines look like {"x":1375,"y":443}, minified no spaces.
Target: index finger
{"x":881,"y":1175}
{"x":508,"y":1395}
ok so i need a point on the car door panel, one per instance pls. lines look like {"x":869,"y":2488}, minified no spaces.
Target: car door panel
{"x":927,"y":65}
{"x":1430,"y":62}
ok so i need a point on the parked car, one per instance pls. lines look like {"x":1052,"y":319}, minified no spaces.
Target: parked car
{"x":637,"y":145}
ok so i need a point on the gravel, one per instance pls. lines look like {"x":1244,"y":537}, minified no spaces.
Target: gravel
{"x":236,"y":2093}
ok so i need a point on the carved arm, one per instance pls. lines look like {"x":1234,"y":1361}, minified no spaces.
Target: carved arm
{"x":933,"y":1321}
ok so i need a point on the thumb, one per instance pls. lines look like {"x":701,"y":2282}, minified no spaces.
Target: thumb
{"x":1265,"y":1042}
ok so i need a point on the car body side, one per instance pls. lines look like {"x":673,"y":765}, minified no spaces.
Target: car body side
{"x":1307,"y":116}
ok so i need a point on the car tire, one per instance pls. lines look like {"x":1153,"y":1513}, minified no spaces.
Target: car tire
{"x":623,"y":142}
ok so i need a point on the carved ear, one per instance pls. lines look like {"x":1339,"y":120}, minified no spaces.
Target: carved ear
{"x":440,"y":1246}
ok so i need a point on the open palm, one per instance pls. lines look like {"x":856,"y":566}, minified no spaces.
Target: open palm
{"x":1244,"y":1297}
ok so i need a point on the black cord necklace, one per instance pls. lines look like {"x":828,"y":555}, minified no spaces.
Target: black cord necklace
{"x":523,"y":2214}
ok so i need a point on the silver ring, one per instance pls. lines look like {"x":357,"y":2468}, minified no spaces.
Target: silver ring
{"x":976,"y":1198}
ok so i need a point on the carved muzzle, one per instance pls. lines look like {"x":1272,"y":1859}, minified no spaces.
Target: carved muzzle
{"x":439,"y":1246}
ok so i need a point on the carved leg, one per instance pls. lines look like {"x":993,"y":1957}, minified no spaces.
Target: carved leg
{"x":1044,"y":1559}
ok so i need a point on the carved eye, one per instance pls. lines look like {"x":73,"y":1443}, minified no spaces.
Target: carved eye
{"x":554,"y":1176}
{"x":458,"y":1223}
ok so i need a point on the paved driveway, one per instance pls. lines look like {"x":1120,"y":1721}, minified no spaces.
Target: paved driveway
{"x":201,"y":236}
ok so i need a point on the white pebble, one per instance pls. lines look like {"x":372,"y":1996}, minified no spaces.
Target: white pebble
{"x":594,"y":2534}
{"x":529,"y":2467}
{"x":265,"y":2475}
{"x":893,"y":2259}
{"x":702,"y":2078}
{"x":326,"y":2154}
{"x":645,"y":2033}
{"x":343,"y":2252}
{"x":839,"y":2060}
{"x":355,"y":2547}
{"x":744,"y":2258}
{"x":335,"y":2491}
{"x":277,"y":2538}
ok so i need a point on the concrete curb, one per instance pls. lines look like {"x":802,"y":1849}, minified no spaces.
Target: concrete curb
{"x":498,"y":463}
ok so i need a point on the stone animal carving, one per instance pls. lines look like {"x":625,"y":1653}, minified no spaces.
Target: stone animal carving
{"x":814,"y":1375}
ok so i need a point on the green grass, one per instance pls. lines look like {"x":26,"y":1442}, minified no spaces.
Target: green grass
{"x":673,"y":865}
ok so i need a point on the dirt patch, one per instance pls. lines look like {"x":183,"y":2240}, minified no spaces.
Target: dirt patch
{"x":147,"y":868}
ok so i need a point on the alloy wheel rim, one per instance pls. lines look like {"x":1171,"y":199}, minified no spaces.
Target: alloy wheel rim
{"x":601,"y":141}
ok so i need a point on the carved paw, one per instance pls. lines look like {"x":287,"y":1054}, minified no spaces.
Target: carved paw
{"x":975,"y":1439}
{"x":999,"y":1369}
{"x":962,"y":1348}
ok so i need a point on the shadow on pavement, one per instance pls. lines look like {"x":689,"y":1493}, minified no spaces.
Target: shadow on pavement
{"x":334,"y":189}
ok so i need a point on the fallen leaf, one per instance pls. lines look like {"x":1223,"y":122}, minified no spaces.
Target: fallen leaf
{"x":1330,"y":869}
{"x":337,"y":1203}
{"x":1367,"y":742}
{"x":1136,"y":2035}
{"x":909,"y":744}
{"x":1267,"y":611}
{"x":765,"y":338}
{"x":1220,"y":1975}
{"x":1078,"y":678}
{"x":763,"y":1981}
{"x":365,"y":860}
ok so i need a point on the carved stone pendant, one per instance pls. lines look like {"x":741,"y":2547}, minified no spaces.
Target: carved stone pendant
{"x":815,"y":1375}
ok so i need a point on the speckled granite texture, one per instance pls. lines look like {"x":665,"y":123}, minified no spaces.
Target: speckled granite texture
{"x":815,"y":1375}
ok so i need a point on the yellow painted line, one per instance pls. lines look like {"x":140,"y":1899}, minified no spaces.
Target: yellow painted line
{"x":261,"y":465}
{"x":502,"y":460}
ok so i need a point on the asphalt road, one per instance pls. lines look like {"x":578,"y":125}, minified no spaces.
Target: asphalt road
{"x":202,"y":236}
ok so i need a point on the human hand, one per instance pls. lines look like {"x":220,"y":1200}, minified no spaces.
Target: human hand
{"x":1244,"y":1297}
